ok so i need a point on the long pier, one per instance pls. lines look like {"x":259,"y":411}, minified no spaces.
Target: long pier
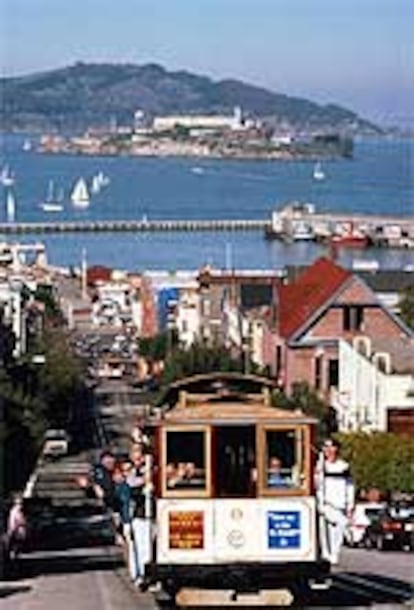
{"x":139,"y":226}
{"x":392,"y":231}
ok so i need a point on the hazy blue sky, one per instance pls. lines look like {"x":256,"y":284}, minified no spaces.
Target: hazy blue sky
{"x":355,"y":52}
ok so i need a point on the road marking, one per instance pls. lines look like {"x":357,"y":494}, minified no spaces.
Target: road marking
{"x":352,"y":578}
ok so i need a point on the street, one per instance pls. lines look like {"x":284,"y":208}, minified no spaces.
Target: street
{"x":75,"y":563}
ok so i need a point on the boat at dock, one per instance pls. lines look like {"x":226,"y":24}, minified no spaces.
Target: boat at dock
{"x":347,"y":235}
{"x":80,"y":195}
{"x":302,"y":231}
{"x":350,"y":240}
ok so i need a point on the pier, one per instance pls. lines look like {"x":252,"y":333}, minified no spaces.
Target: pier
{"x":139,"y":226}
{"x":295,"y":222}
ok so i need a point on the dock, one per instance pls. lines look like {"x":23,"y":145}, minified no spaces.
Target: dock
{"x":300,"y":222}
{"x":139,"y":226}
{"x":295,"y":222}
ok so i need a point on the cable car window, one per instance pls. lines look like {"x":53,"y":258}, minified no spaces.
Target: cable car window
{"x":235,"y":461}
{"x":284,"y":459}
{"x":185,"y":467}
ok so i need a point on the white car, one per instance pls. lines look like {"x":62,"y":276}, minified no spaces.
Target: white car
{"x":56,"y":443}
{"x":362,"y":516}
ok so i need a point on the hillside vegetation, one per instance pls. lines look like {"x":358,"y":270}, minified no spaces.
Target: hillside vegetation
{"x":84,"y":95}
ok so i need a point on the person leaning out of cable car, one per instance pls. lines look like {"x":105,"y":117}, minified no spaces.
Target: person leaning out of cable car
{"x":139,"y":480}
{"x":336,"y":499}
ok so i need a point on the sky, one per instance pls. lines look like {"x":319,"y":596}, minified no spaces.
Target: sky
{"x":357,"y":53}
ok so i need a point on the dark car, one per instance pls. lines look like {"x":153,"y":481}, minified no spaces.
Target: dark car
{"x":392,"y":529}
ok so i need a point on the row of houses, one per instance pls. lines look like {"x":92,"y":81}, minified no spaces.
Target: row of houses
{"x":24,"y":277}
{"x":337,"y":330}
{"x":326,"y":327}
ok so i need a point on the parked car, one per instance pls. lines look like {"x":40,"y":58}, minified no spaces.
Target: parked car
{"x":56,"y":443}
{"x":393,"y":528}
{"x":363,"y":515}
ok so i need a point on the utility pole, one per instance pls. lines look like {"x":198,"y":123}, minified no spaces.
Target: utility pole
{"x":84,"y":274}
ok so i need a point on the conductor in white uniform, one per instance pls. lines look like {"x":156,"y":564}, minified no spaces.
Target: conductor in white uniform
{"x":336,"y":499}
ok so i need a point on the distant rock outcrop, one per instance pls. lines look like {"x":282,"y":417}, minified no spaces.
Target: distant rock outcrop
{"x":85,"y":95}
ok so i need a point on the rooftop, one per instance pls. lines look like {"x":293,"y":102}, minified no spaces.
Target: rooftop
{"x":302,"y":298}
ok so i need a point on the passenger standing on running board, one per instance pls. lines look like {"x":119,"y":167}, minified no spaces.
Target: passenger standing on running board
{"x":336,"y":499}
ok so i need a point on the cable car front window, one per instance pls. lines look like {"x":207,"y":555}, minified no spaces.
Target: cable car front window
{"x":185,"y":467}
{"x":284,"y":459}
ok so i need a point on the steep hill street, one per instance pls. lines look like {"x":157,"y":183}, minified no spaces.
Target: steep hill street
{"x":75,"y":563}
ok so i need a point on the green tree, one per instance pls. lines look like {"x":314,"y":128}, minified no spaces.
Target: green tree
{"x":306,"y":399}
{"x":34,"y":396}
{"x":159,"y":346}
{"x":380,"y":460}
{"x":406,"y":305}
{"x":198,"y":358}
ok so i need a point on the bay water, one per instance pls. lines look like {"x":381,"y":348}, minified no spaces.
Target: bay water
{"x":379,"y":179}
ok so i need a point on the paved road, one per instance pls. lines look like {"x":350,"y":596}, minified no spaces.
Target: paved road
{"x":77,"y":567}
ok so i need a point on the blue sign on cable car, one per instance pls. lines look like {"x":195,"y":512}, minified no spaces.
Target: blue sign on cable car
{"x":283,"y":529}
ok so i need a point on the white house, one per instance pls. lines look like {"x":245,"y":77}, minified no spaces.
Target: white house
{"x":13,"y":311}
{"x":187,"y":315}
{"x":374,"y":378}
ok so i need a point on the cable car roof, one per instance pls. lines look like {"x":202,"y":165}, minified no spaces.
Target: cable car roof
{"x":237,"y":412}
{"x":208,"y":382}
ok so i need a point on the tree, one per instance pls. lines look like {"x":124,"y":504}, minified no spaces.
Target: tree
{"x":198,"y":358}
{"x":157,"y":347}
{"x":34,"y":397}
{"x":306,"y":399}
{"x":380,"y":460}
{"x":406,"y":305}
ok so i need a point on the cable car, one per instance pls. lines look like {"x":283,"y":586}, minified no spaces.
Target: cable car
{"x":235,"y":504}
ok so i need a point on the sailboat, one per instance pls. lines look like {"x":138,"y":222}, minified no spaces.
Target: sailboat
{"x":6,"y":176}
{"x":96,"y":184}
{"x":10,"y":206}
{"x":318,"y":173}
{"x":27,"y":145}
{"x":80,"y":195}
{"x":103,"y":180}
{"x":51,"y":204}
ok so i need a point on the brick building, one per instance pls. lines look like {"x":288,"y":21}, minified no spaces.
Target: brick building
{"x":324,"y":304}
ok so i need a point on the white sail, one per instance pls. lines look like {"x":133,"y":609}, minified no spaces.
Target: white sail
{"x":51,"y":204}
{"x":80,"y":195}
{"x":103,"y":180}
{"x":96,"y":184}
{"x":318,"y":173}
{"x":10,"y":206}
{"x":6,"y":176}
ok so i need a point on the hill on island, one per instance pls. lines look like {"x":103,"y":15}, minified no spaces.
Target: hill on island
{"x":85,"y":95}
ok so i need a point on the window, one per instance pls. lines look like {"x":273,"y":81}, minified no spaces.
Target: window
{"x":333,"y":373}
{"x":278,"y":362}
{"x":318,"y":372}
{"x":235,"y":459}
{"x":185,"y":461}
{"x":353,"y":317}
{"x":283,"y":462}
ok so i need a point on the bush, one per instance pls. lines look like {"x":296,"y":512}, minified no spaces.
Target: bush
{"x":380,"y":460}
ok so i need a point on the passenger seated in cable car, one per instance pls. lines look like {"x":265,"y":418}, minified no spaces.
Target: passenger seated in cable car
{"x":184,"y":475}
{"x":275,"y":476}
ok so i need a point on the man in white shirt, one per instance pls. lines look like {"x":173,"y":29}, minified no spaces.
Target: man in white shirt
{"x":336,"y":499}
